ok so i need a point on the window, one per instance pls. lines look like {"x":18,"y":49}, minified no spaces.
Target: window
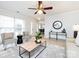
{"x":6,"y":24}
{"x":9,"y":24}
{"x":19,"y":26}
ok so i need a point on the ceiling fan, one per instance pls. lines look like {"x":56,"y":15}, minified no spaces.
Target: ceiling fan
{"x":40,"y":9}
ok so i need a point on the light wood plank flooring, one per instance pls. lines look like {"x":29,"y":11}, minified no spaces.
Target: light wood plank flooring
{"x":59,"y":42}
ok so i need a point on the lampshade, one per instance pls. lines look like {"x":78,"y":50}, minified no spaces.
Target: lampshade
{"x":76,"y":27}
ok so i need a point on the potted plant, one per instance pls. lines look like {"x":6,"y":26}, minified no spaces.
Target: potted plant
{"x":38,"y":37}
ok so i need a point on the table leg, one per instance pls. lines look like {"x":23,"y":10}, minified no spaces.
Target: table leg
{"x":66,"y":35}
{"x":41,"y":51}
{"x":45,"y":44}
{"x":56,"y":36}
{"x":19,"y":50}
{"x":29,"y":54}
{"x":49,"y":35}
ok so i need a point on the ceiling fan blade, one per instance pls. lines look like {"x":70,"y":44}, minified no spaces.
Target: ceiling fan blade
{"x":44,"y":12}
{"x":48,"y":8}
{"x":33,"y":8}
{"x":36,"y":12}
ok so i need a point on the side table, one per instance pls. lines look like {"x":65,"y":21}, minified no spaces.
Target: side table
{"x":19,"y":39}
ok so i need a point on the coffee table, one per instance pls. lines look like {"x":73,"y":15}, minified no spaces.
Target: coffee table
{"x":30,"y":46}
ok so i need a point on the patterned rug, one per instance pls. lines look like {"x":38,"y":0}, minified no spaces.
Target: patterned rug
{"x":51,"y":51}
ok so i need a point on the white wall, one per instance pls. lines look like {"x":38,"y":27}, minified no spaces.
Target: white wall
{"x":68,"y":19}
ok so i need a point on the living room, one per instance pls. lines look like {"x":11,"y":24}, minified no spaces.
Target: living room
{"x":40,"y":32}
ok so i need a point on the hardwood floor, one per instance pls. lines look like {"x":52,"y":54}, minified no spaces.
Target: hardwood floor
{"x":59,"y":42}
{"x":57,"y":50}
{"x":72,"y":48}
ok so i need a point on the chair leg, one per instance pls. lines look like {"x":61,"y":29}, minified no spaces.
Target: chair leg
{"x":4,"y":46}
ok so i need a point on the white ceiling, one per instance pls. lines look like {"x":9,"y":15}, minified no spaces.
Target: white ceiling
{"x":22,"y":6}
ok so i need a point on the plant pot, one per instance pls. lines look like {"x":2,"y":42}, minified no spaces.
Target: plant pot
{"x":38,"y":41}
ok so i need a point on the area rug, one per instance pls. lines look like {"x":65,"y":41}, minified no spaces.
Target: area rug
{"x":51,"y":51}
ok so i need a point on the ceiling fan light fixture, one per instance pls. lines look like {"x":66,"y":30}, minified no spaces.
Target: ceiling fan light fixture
{"x":40,"y":12}
{"x":41,"y":6}
{"x":40,"y":9}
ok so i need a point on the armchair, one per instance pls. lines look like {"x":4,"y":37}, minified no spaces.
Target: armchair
{"x":7,"y":38}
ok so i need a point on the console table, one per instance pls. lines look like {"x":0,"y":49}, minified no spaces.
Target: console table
{"x":57,"y":34}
